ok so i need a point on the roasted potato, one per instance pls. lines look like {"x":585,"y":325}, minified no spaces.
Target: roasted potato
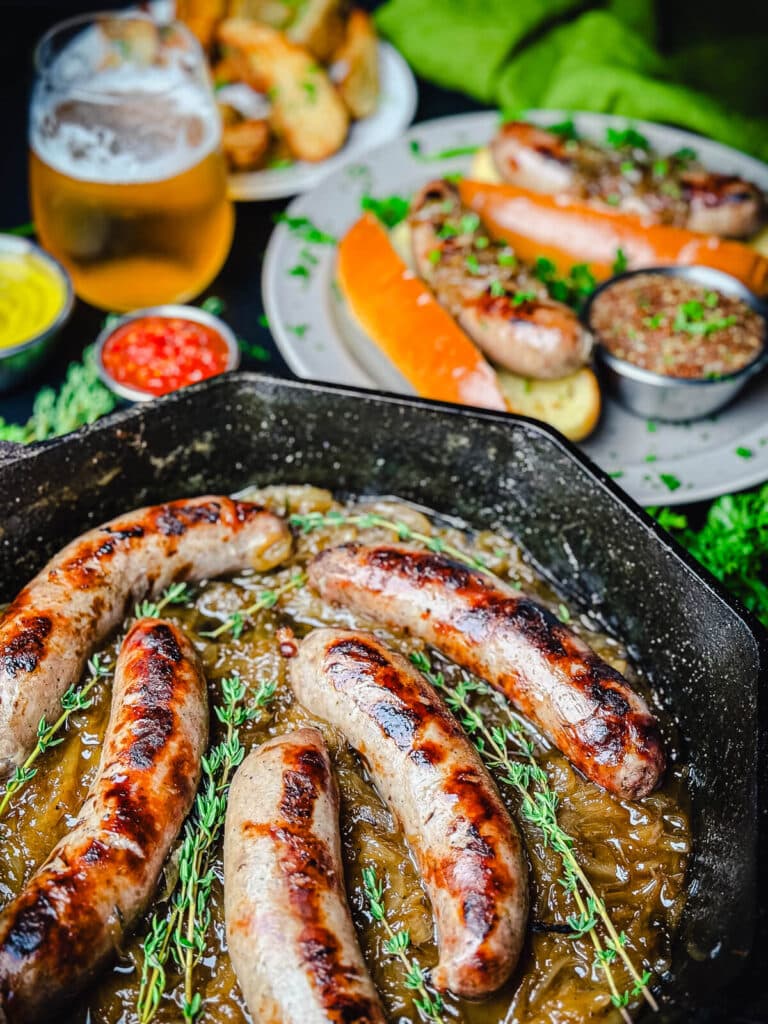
{"x":319,"y":26}
{"x":571,"y":405}
{"x":202,"y":17}
{"x":246,"y":144}
{"x":306,"y":109}
{"x":356,"y":65}
{"x":276,"y":13}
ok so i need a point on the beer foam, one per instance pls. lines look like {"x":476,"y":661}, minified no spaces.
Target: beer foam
{"x":128,"y":125}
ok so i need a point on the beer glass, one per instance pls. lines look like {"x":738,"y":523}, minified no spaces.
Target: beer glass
{"x":127,"y":178}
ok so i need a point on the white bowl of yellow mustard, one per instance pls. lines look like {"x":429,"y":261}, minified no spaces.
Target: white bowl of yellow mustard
{"x":36,"y":300}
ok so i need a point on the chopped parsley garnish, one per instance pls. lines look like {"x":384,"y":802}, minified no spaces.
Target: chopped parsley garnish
{"x":619,"y":138}
{"x":650,"y":426}
{"x":616,"y":474}
{"x":472,"y":264}
{"x":620,"y":262}
{"x":299,"y":270}
{"x":390,"y":210}
{"x":447,"y":230}
{"x":670,"y":481}
{"x":213,"y":304}
{"x":279,"y":163}
{"x":521,"y":297}
{"x":506,"y":259}
{"x":685,"y":155}
{"x":304,"y":229}
{"x":613,"y":199}
{"x":710,"y":299}
{"x":744,"y":453}
{"x":572,"y":289}
{"x":444,"y":154}
{"x":657,"y":320}
{"x":566,"y":129}
{"x":690,"y":319}
{"x":497,"y":289}
{"x":299,"y":329}
{"x":469,"y":222}
{"x":671,"y":189}
{"x":310,"y":88}
{"x":627,"y":167}
{"x":481,"y":242}
{"x":660,"y":168}
{"x":263,"y":321}
{"x":433,"y":256}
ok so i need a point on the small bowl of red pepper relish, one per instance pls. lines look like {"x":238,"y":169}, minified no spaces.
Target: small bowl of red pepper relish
{"x":154,"y":351}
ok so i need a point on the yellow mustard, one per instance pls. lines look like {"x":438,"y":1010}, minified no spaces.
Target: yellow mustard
{"x":32,"y":295}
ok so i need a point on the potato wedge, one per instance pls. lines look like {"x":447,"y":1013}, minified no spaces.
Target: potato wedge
{"x":319,"y":27}
{"x":246,"y":144}
{"x":275,"y":13}
{"x":356,"y":65}
{"x":306,"y":109}
{"x":571,"y":405}
{"x":202,"y":17}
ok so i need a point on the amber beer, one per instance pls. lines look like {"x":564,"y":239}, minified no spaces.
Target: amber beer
{"x":127,"y":180}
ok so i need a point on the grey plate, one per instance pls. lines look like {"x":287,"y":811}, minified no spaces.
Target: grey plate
{"x":319,"y":341}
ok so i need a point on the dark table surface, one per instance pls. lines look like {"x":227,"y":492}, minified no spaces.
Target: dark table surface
{"x":238,"y":285}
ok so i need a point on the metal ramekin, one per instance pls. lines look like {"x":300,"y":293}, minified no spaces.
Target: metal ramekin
{"x":19,"y":361}
{"x":201,"y":316}
{"x":677,"y":399}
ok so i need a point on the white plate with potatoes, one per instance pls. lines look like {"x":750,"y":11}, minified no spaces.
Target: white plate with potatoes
{"x":301,"y":90}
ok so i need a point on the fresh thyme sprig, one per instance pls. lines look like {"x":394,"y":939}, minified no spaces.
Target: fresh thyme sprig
{"x":368,"y":520}
{"x":182,"y":931}
{"x":429,"y":1004}
{"x":539,"y":805}
{"x":177,"y":593}
{"x":266,"y":599}
{"x":75,"y":699}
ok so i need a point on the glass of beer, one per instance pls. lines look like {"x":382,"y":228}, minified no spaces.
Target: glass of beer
{"x":127,"y":178}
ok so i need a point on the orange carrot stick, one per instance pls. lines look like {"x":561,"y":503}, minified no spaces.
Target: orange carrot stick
{"x":568,"y":231}
{"x":401,"y":315}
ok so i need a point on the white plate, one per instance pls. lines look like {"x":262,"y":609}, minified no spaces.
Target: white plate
{"x":702,"y":456}
{"x":397,"y":105}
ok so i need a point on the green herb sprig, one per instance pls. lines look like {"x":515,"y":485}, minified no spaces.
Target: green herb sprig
{"x":305,"y":229}
{"x":429,"y":1004}
{"x":732,"y":543}
{"x":539,"y":806}
{"x":75,"y":699}
{"x":81,"y":399}
{"x":176,"y":593}
{"x":235,"y":623}
{"x":182,"y":931}
{"x":368,"y":520}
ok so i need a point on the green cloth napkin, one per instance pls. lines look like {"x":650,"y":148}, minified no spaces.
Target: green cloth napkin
{"x":563,"y":54}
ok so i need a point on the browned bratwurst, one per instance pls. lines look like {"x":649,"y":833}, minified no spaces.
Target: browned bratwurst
{"x":497,"y":300}
{"x":289,"y":931}
{"x":581,"y":703}
{"x":71,"y":917}
{"x":630,"y":177}
{"x":465,"y":844}
{"x":83,"y":593}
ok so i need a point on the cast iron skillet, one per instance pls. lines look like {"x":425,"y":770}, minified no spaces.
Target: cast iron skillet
{"x":703,"y":653}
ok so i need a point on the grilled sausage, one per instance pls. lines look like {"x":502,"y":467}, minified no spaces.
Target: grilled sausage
{"x":72,"y":915}
{"x":496,"y":299}
{"x":465,"y":844}
{"x":69,"y":608}
{"x":289,"y":931}
{"x":582,"y":704}
{"x":668,"y":190}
